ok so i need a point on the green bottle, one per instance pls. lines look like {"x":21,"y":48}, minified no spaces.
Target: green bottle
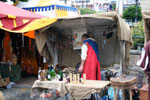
{"x":49,"y":73}
{"x":53,"y":74}
{"x":60,"y":74}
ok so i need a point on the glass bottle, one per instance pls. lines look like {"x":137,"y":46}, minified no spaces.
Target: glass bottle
{"x":51,"y":67}
{"x":49,"y":74}
{"x":53,"y":74}
{"x":60,"y":74}
{"x":39,"y":71}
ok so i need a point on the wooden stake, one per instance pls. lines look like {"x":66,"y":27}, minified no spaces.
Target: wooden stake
{"x":84,"y":78}
{"x":70,"y":77}
{"x":130,"y":94}
{"x":74,"y":79}
{"x":114,"y":93}
{"x":78,"y":78}
{"x":123,"y":94}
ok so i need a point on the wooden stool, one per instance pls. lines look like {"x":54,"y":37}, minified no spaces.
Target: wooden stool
{"x":123,"y":82}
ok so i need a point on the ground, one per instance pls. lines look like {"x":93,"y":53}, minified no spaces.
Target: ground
{"x":21,"y":90}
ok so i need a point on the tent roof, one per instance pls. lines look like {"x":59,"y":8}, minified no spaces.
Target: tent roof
{"x":95,"y":25}
{"x":8,"y":9}
{"x":96,"y":22}
{"x":14,"y":19}
{"x":146,"y":14}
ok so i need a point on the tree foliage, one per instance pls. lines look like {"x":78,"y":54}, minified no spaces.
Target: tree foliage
{"x":114,"y":7}
{"x":138,"y":34}
{"x":14,"y":0}
{"x":84,"y":11}
{"x":130,"y":13}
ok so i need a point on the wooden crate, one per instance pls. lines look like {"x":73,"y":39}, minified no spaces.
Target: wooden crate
{"x":1,"y":82}
{"x":144,"y":92}
{"x":4,"y":81}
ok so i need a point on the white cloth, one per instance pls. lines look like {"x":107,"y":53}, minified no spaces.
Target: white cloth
{"x":84,"y":50}
{"x":38,"y":85}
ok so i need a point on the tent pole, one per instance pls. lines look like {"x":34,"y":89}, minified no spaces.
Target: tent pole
{"x":56,"y":51}
{"x":122,"y":56}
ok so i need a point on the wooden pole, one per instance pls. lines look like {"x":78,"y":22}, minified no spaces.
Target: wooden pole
{"x":130,"y":94}
{"x":123,"y":94}
{"x":122,"y":57}
{"x":115,"y":94}
{"x":70,"y":77}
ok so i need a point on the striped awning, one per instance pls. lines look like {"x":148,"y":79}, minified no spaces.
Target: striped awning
{"x":54,"y":11}
{"x":17,"y":20}
{"x":51,"y":7}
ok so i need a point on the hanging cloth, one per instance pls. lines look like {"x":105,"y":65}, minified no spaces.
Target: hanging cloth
{"x":7,"y":47}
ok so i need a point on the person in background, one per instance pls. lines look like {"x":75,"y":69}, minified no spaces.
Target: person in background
{"x":144,"y":63}
{"x":15,"y":70}
{"x":90,"y":64}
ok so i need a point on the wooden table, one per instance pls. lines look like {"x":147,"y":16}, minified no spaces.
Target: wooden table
{"x":123,"y":82}
{"x":82,"y":91}
{"x":77,"y":91}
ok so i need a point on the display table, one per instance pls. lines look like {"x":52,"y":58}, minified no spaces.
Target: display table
{"x":76,"y":91}
{"x":82,"y":91}
{"x":38,"y":85}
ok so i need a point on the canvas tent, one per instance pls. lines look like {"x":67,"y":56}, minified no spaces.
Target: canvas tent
{"x":146,"y":17}
{"x":55,"y":41}
{"x":16,"y":20}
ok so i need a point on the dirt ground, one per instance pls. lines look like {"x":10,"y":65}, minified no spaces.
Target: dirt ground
{"x":21,"y":90}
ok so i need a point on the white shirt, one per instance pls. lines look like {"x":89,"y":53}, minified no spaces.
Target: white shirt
{"x":84,"y":50}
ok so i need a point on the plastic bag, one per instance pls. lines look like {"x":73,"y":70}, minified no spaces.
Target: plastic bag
{"x":111,"y":93}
